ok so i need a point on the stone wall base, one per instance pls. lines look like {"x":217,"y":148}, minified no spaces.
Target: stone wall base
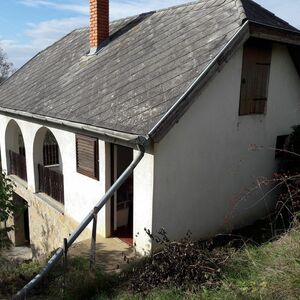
{"x":48,"y":226}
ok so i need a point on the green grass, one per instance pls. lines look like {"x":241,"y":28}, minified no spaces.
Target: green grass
{"x":269,"y":271}
{"x":14,"y":276}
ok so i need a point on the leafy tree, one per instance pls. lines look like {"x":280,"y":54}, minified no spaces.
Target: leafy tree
{"x":6,"y":68}
{"x":7,"y":206}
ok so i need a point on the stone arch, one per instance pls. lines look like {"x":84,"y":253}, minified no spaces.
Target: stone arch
{"x":15,"y":150}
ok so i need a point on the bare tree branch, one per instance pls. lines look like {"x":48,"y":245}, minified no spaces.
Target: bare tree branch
{"x":6,"y":68}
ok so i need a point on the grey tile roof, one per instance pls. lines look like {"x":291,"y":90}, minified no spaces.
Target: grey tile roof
{"x":149,"y":63}
{"x":257,"y":13}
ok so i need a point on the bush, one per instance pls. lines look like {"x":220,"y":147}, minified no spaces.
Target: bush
{"x":7,"y":206}
{"x":288,"y":177}
{"x":181,"y":265}
{"x":14,"y":275}
{"x":289,"y":161}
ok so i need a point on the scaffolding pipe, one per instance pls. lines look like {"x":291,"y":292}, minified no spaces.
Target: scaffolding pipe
{"x":22,"y":294}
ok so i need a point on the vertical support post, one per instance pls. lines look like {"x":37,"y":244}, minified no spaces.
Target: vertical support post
{"x":65,"y":266}
{"x":93,"y":242}
{"x":66,"y":253}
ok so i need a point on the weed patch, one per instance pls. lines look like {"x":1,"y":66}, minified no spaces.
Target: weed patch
{"x":14,"y":275}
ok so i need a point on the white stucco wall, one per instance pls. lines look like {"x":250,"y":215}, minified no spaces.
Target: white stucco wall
{"x":81,"y":192}
{"x":143,"y":202}
{"x":203,"y":165}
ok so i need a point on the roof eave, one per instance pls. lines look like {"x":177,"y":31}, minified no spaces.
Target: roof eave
{"x":108,"y":135}
{"x":279,"y":35}
{"x":274,"y":34}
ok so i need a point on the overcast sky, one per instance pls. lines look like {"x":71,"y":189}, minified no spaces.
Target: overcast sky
{"x":28,"y":26}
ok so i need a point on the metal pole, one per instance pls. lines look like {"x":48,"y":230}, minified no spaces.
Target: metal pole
{"x":66,"y":252}
{"x":93,"y":243}
{"x":65,"y":266}
{"x":59,"y":253}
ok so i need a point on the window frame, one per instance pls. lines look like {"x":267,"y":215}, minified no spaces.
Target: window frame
{"x":256,"y":54}
{"x":281,"y":146}
{"x":80,"y":169}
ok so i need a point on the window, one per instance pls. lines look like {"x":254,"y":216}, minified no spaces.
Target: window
{"x":87,"y":159}
{"x":281,"y":146}
{"x":50,"y":150}
{"x":255,"y":77}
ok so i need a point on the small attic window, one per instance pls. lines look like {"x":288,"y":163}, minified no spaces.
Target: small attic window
{"x":255,"y":77}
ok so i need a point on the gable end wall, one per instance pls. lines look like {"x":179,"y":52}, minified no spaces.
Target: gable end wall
{"x":203,"y":166}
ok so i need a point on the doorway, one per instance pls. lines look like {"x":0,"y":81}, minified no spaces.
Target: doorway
{"x":21,"y":222}
{"x":122,"y":201}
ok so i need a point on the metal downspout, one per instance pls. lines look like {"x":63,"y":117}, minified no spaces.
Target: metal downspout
{"x":59,"y":253}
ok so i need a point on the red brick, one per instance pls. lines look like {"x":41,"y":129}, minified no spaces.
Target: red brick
{"x":99,"y":21}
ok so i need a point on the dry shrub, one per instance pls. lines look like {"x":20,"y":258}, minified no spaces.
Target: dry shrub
{"x":181,"y":265}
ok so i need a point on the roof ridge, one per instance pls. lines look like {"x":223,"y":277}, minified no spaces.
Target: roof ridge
{"x":240,"y":7}
{"x":178,"y":6}
{"x":147,"y":12}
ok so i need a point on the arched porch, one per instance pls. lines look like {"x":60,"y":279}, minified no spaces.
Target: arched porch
{"x":15,"y":151}
{"x":48,"y":165}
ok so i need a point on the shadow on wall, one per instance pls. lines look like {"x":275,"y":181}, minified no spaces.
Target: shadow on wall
{"x":43,"y":232}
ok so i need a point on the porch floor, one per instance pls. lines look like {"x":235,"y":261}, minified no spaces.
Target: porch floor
{"x":110,"y":252}
{"x":19,"y":253}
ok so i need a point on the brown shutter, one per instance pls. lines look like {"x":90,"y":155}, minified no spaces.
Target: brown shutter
{"x":87,"y":156}
{"x":255,"y":77}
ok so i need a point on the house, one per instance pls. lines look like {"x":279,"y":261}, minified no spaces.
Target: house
{"x":193,"y":85}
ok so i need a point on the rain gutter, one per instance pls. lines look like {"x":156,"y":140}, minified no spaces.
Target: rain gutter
{"x":112,"y":136}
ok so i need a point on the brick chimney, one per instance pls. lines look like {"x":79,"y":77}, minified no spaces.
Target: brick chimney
{"x":99,"y":23}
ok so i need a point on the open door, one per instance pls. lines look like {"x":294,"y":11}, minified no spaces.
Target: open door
{"x":21,"y":223}
{"x":122,"y":202}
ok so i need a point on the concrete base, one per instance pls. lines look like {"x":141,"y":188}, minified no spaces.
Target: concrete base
{"x":17,"y":254}
{"x":110,"y":253}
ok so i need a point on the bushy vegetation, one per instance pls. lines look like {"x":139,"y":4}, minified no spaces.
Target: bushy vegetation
{"x":7,"y":206}
{"x":6,"y":68}
{"x":14,"y":275}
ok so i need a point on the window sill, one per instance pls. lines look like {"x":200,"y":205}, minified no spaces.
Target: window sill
{"x":18,"y":180}
{"x":255,"y":117}
{"x":252,"y":114}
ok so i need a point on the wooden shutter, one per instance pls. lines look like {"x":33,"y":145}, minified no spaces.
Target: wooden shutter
{"x":255,"y":77}
{"x":87,"y":156}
